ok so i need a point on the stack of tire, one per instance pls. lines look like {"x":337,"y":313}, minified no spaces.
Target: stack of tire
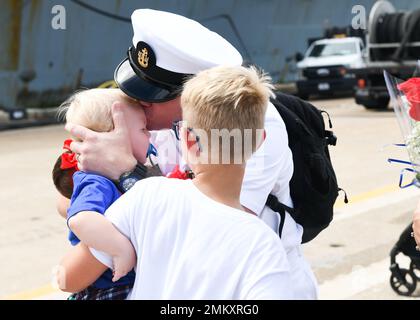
{"x":399,"y":27}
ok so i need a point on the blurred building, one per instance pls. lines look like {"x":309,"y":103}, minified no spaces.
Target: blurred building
{"x":39,"y":66}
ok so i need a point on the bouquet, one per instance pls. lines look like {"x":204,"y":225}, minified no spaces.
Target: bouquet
{"x":405,"y":99}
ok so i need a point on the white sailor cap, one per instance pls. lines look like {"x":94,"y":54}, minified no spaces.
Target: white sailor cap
{"x":167,"y":49}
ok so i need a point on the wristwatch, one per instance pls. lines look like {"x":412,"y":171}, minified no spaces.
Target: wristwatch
{"x":128,"y":179}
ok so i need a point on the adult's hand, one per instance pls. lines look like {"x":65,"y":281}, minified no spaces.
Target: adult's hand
{"x":106,"y":153}
{"x":416,"y":224}
{"x":78,"y":269}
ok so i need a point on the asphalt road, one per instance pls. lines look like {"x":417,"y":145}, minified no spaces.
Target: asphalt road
{"x":350,"y":258}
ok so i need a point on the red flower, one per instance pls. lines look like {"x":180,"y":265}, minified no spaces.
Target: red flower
{"x":411,"y":89}
{"x":178,"y":174}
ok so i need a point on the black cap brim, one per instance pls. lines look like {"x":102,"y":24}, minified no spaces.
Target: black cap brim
{"x":141,"y":88}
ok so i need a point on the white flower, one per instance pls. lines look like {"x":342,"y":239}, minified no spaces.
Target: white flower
{"x":413,"y":144}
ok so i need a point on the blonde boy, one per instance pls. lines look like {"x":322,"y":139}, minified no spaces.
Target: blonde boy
{"x":193,"y":238}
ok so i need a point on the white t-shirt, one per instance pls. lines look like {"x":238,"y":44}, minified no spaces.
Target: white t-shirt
{"x":192,"y":247}
{"x":268,"y":171}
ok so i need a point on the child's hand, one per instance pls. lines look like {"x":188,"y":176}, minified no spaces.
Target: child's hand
{"x":124,"y":262}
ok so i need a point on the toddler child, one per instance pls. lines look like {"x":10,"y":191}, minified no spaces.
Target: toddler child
{"x":92,"y":194}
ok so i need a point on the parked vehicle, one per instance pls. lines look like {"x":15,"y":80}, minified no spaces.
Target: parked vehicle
{"x":325,"y":67}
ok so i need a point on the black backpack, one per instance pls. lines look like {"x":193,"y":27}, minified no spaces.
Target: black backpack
{"x":313,"y":187}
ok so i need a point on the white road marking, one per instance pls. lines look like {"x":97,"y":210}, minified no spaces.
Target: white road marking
{"x":346,"y":285}
{"x":360,"y":279}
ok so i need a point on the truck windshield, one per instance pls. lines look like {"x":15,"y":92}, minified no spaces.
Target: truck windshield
{"x":333,"y":49}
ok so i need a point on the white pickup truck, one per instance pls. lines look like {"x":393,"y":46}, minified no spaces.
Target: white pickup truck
{"x":324,"y":69}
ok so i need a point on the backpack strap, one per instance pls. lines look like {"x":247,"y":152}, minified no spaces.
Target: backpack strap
{"x":274,"y":204}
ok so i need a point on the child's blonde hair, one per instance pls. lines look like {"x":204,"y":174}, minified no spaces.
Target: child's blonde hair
{"x":229,"y":98}
{"x":92,"y":108}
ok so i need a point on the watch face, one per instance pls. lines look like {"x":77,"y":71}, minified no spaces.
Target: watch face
{"x":128,"y":183}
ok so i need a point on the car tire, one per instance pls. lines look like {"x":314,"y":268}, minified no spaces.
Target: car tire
{"x":379,"y":104}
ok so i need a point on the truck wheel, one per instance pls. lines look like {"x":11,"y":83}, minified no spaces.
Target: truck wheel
{"x":377,"y":104}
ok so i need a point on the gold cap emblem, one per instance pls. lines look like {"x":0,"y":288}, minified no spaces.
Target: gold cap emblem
{"x":143,"y":58}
